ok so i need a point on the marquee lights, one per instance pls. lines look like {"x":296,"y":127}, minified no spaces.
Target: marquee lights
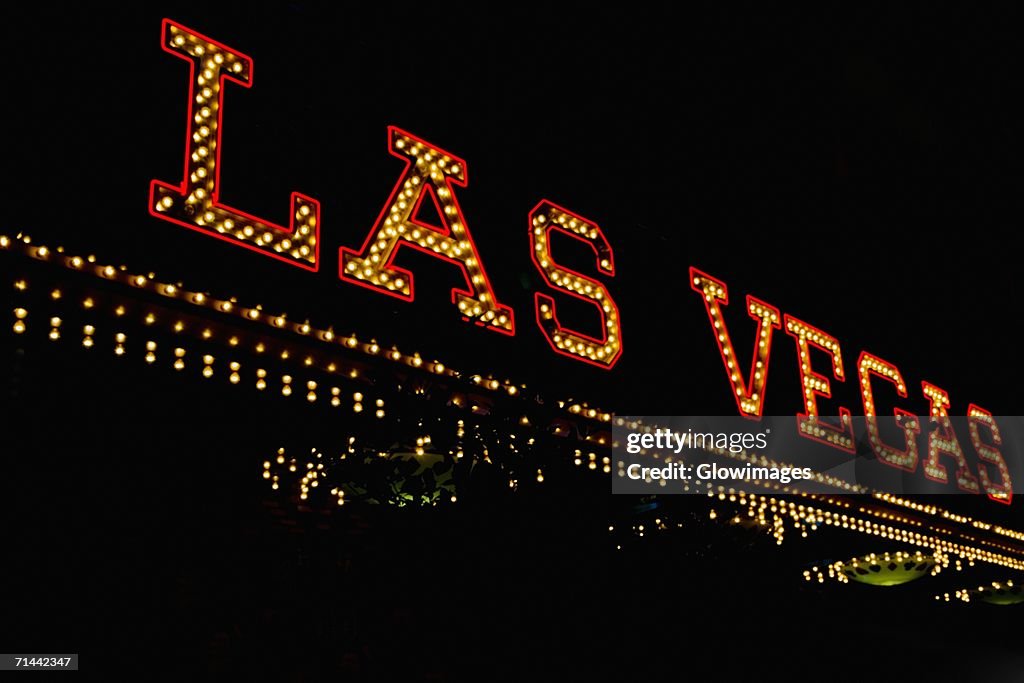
{"x":815,"y":385}
{"x":985,"y":437}
{"x":232,"y":308}
{"x":942,"y":441}
{"x":749,"y":394}
{"x":978,"y":418}
{"x":429,"y":171}
{"x":810,"y":512}
{"x":602,"y":352}
{"x":996,"y":593}
{"x":195,"y":203}
{"x":927,"y":527}
{"x":905,"y":459}
{"x":432,"y":172}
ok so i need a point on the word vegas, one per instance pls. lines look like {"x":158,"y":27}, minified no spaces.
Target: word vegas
{"x":432,"y":172}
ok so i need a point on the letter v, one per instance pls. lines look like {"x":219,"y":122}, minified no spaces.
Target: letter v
{"x":749,"y":393}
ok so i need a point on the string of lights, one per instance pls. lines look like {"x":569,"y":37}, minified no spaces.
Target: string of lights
{"x":424,"y":469}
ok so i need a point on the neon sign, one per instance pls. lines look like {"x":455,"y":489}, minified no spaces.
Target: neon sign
{"x":435,"y":174}
{"x":430,"y":172}
{"x":195,"y":203}
{"x":943,"y":445}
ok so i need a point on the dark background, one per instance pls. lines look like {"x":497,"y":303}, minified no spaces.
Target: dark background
{"x":858,"y":170}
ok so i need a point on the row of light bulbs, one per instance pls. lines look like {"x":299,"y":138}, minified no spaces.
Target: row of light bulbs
{"x":110,"y":273}
{"x":288,"y":384}
{"x":178,"y":292}
{"x":967,"y":594}
{"x":823,"y":478}
{"x":760,"y":506}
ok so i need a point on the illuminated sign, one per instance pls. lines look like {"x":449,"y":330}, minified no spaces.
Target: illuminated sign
{"x":195,"y":202}
{"x":943,"y":445}
{"x":434,"y":175}
{"x":429,"y":172}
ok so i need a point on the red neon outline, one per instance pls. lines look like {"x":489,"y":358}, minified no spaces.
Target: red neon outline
{"x":867,"y":396}
{"x":540,"y":298}
{"x":717,"y":303}
{"x":445,"y":230}
{"x":952,"y":433}
{"x":215,"y":196}
{"x":844,"y":413}
{"x":973,"y":412}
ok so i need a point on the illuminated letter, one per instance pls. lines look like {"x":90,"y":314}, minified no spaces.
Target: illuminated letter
{"x":431,"y":172}
{"x":603,"y":352}
{"x":749,"y":394}
{"x":815,"y":385}
{"x":942,"y":441}
{"x":976,"y":418}
{"x":195,"y":203}
{"x":905,"y":459}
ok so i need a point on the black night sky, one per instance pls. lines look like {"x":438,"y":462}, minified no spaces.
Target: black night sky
{"x":857,"y":169}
